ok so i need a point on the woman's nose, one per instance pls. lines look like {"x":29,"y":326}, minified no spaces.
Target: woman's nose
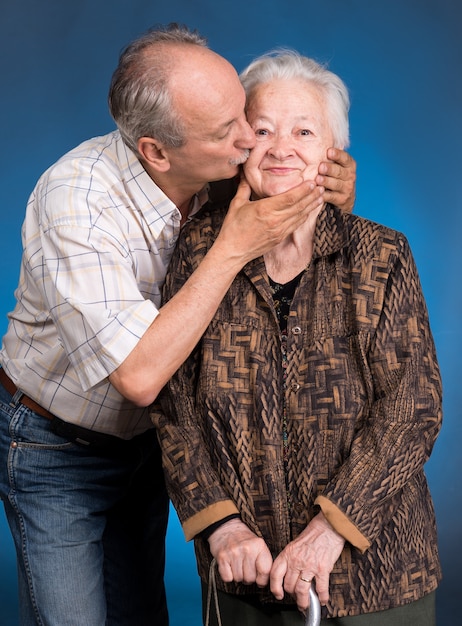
{"x":281,"y":147}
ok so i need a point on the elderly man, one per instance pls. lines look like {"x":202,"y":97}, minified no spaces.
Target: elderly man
{"x":88,"y":347}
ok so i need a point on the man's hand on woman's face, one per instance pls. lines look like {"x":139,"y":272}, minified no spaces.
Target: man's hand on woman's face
{"x":338,"y":176}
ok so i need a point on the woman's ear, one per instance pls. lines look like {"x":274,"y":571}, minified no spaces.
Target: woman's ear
{"x":152,"y":151}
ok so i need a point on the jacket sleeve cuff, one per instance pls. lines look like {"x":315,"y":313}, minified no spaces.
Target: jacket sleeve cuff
{"x":341,"y":524}
{"x":202,"y":520}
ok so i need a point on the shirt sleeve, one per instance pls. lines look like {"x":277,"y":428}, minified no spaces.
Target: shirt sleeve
{"x":93,"y":297}
{"x":89,"y":248}
{"x":396,"y":438}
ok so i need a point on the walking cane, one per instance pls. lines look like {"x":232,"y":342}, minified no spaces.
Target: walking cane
{"x":313,"y":617}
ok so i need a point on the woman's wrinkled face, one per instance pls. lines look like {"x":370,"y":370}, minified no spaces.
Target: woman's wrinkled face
{"x":289,"y":119}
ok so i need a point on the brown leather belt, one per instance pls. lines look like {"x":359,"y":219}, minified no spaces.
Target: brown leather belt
{"x":9,"y":385}
{"x":100,"y":443}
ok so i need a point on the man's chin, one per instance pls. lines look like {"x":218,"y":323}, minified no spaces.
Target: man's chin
{"x":231,"y":172}
{"x":228,"y":175}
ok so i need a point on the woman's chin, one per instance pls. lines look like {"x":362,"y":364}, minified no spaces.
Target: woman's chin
{"x":275,"y":188}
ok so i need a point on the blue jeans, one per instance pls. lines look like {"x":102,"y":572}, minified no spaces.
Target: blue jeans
{"x":89,"y":529}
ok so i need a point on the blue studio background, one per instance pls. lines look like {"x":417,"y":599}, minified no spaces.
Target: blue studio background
{"x":402,"y":61}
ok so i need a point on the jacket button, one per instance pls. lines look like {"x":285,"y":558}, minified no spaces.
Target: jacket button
{"x":295,"y":386}
{"x":296,"y":330}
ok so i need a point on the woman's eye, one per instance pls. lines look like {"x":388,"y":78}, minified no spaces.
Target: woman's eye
{"x":305,"y":132}
{"x":261,"y":131}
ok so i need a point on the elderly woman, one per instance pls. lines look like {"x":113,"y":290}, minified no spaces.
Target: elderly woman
{"x":295,"y":436}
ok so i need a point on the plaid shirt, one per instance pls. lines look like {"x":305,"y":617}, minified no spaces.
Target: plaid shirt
{"x":97,"y":236}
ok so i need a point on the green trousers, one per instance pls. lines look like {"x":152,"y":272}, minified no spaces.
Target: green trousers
{"x":235,"y":611}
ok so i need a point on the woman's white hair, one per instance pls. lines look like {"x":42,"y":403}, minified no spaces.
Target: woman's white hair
{"x":285,"y":64}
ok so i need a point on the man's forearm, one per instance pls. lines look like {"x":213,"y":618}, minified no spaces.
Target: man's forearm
{"x":249,"y":230}
{"x":175,"y":331}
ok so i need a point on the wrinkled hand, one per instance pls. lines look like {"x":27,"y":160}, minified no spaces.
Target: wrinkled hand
{"x":251,"y":228}
{"x":311,"y":555}
{"x":338,"y":176}
{"x":241,"y":555}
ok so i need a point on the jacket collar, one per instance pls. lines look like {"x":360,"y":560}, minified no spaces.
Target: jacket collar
{"x":331,"y":234}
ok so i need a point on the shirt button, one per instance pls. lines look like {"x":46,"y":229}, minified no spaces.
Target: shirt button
{"x":296,"y":330}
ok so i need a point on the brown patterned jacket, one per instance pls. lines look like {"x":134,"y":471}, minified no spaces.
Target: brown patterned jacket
{"x":364,"y":398}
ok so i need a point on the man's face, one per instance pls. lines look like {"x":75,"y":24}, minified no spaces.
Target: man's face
{"x":292,"y":130}
{"x":218,"y":136}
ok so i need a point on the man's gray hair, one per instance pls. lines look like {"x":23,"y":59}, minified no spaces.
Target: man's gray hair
{"x":139,"y":98}
{"x":288,"y":64}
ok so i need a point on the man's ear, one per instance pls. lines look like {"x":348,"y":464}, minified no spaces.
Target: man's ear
{"x":153,"y":152}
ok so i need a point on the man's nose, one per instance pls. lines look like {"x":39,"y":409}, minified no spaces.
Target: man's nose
{"x":246,"y":136}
